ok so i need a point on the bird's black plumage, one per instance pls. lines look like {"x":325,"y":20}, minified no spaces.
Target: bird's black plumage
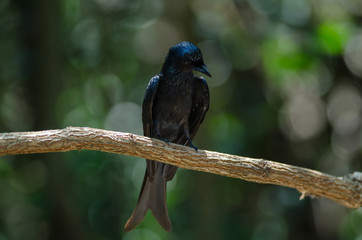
{"x":174,"y":106}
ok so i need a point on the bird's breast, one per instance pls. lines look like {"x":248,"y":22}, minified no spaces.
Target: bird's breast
{"x":173,"y":106}
{"x":171,"y":109}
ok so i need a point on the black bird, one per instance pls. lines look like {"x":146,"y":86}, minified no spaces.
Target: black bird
{"x":174,"y":106}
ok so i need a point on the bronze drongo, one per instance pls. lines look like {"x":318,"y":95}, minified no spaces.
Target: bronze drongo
{"x":174,"y":106}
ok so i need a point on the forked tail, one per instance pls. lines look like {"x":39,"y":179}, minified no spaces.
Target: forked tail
{"x":153,"y":197}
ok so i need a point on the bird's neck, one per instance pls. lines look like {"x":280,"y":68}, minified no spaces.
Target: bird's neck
{"x":176,"y":76}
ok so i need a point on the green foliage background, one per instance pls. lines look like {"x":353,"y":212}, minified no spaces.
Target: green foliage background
{"x":286,"y":86}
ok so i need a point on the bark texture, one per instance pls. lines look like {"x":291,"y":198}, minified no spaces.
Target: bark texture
{"x":345,"y":190}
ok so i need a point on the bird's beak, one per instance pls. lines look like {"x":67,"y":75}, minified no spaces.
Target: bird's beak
{"x":203,"y":69}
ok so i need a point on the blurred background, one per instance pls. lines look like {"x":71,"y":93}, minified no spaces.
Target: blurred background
{"x":286,"y":86}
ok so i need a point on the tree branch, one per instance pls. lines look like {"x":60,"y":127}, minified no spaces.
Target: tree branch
{"x":345,"y":190}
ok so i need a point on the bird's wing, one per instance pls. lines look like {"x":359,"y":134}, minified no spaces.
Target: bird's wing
{"x":147,"y":105}
{"x":200,"y":105}
{"x":147,"y":119}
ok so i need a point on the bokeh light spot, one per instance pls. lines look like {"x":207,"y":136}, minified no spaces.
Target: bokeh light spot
{"x":353,"y":54}
{"x":295,"y":12}
{"x":153,"y":41}
{"x":216,"y":62}
{"x":332,"y":37}
{"x":86,"y":40}
{"x":239,"y":48}
{"x":303,"y":117}
{"x":124,"y":117}
{"x":344,"y":109}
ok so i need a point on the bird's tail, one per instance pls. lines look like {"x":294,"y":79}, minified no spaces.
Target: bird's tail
{"x":153,"y":197}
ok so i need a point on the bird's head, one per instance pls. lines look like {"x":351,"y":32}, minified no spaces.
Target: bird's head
{"x":185,"y":57}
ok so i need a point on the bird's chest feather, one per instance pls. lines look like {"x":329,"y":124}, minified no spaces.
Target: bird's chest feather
{"x":173,"y":103}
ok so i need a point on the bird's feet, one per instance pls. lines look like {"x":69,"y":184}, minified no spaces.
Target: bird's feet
{"x":192,"y":145}
{"x":163,"y":139}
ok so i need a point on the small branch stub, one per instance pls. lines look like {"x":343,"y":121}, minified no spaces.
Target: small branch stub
{"x":344,"y":190}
